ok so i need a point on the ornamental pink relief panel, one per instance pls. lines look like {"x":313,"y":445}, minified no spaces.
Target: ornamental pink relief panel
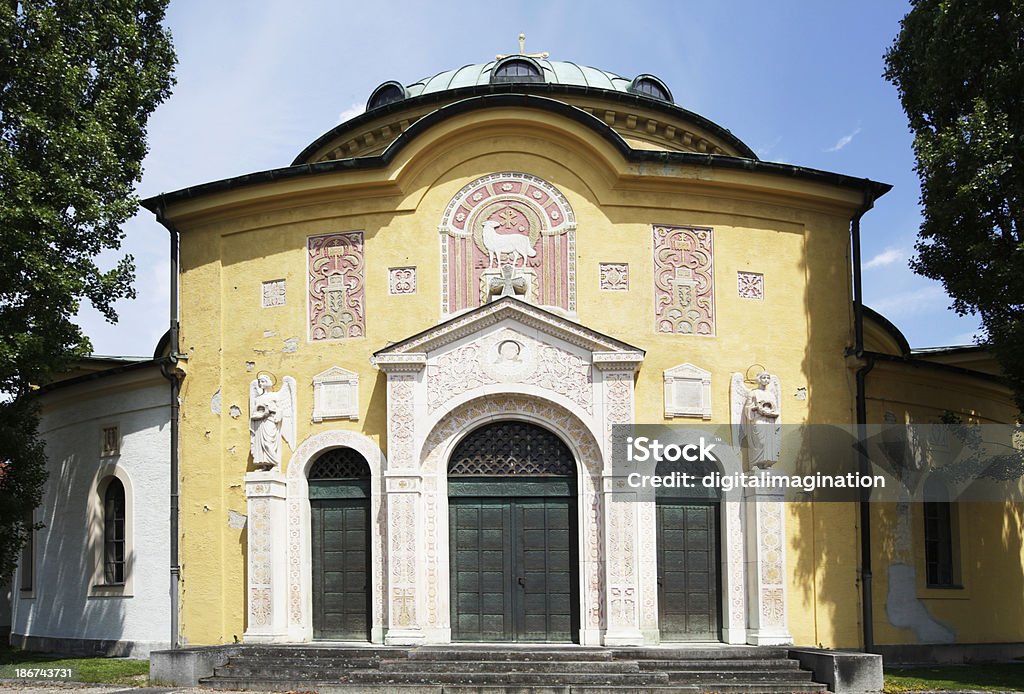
{"x":508,"y":218}
{"x":336,"y":286}
{"x":684,"y":281}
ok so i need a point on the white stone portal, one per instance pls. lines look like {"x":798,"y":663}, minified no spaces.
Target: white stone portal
{"x":504,"y":360}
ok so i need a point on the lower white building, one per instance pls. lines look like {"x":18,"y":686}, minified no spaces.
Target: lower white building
{"x":95,"y":578}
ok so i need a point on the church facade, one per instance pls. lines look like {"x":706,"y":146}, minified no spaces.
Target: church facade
{"x":406,"y":360}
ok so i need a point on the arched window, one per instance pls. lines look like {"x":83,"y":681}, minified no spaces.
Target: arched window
{"x":385,"y":94}
{"x":339,"y":464}
{"x":114,"y":537}
{"x":511,"y":448}
{"x":516,"y":69}
{"x":941,"y":536}
{"x":649,"y":85}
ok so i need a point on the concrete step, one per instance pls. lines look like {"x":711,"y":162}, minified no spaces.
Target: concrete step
{"x":732,"y":664}
{"x":320,"y":652}
{"x":346,"y":688}
{"x":725,"y":675}
{"x":253,"y":669}
{"x":595,"y":666}
{"x":276,"y":664}
{"x":485,"y":652}
{"x":522,"y":678}
{"x":504,"y":669}
{"x":400,"y":688}
{"x":700,"y":652}
{"x":762,"y":687}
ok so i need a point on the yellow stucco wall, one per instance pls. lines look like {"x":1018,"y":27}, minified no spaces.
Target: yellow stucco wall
{"x":988,"y":537}
{"x":793,"y":231}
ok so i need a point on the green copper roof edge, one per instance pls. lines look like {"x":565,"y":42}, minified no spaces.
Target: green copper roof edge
{"x":523,"y":101}
{"x":546,"y":88}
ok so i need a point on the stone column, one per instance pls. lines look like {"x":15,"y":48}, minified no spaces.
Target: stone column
{"x":766,"y":563}
{"x":622,"y":547}
{"x":403,"y":489}
{"x":267,"y":593}
{"x":622,"y":544}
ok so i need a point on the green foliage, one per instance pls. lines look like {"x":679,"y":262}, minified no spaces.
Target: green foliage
{"x":78,"y":82}
{"x":959,"y":69}
{"x":21,"y":477}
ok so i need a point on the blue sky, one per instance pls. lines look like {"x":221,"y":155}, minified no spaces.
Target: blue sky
{"x":799,"y":82}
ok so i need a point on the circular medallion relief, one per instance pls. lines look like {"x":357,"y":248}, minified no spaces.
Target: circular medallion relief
{"x":507,"y":357}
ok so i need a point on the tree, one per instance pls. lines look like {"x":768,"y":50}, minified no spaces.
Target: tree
{"x":959,"y":69}
{"x":78,"y":82}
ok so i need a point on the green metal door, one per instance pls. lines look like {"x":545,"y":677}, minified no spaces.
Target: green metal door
{"x":688,"y":559}
{"x":513,"y":562}
{"x":341,"y":568}
{"x":542,"y":568}
{"x":339,"y":514}
{"x":481,"y":568}
{"x":512,"y":520}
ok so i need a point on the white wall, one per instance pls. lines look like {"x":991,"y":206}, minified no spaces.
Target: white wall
{"x":61,"y":606}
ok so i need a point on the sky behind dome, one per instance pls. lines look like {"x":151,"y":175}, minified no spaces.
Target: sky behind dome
{"x":799,"y":82}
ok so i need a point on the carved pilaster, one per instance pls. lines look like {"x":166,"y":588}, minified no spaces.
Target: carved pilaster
{"x":766,"y":564}
{"x":624,"y":598}
{"x":267,"y":592}
{"x":624,"y":595}
{"x":403,"y":489}
{"x":405,"y":625}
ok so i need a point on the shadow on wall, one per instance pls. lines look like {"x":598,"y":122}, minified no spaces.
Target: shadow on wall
{"x":824,"y":553}
{"x":69,"y":609}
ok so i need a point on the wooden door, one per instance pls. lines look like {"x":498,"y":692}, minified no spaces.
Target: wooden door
{"x":341,"y":568}
{"x":513,"y":569}
{"x":688,"y":558}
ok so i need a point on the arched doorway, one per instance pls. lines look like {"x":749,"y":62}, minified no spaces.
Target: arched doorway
{"x":339,"y":504}
{"x":512,"y":524}
{"x":689,"y":557}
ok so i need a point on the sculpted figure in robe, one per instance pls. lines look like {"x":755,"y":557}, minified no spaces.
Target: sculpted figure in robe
{"x":756,"y":412}
{"x":271,"y":418}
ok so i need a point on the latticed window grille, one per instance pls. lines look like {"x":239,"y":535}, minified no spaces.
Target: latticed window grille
{"x":339,"y":464}
{"x":114,"y":533}
{"x":511,"y":448}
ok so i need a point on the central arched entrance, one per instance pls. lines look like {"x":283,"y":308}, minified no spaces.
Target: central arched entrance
{"x":512,"y":523}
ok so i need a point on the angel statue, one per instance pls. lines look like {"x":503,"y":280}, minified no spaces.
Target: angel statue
{"x":271,"y":417}
{"x":756,"y":418}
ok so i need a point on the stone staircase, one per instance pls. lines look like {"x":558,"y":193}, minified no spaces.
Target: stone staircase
{"x":502,"y":669}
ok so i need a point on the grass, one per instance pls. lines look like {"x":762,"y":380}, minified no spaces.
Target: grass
{"x":92,"y":670}
{"x":995,"y":677}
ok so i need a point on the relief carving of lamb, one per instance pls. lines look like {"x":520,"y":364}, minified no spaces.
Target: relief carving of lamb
{"x":496,"y":244}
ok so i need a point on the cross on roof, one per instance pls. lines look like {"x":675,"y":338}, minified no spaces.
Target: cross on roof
{"x":522,"y":50}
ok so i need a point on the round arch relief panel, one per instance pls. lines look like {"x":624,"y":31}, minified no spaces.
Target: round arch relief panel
{"x":508,"y":218}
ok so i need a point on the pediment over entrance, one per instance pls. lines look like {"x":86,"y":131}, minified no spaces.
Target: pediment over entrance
{"x":514,"y":346}
{"x":527,"y":319}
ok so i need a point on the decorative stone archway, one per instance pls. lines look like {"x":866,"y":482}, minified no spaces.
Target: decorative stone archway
{"x":435,"y":452}
{"x":280,"y":573}
{"x":563,"y":376}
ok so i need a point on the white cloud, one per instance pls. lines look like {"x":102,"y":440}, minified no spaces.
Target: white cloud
{"x":914,"y":302}
{"x":886,"y":257}
{"x":968,"y":338}
{"x":764,"y":150}
{"x":844,"y":140}
{"x":351,"y":112}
